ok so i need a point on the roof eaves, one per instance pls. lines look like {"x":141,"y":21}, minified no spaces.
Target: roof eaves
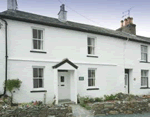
{"x":72,"y":28}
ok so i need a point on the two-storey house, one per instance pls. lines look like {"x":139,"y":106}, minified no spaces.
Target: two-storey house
{"x":54,"y":57}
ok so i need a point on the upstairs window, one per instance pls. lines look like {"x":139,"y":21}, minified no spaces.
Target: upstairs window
{"x":38,"y":77}
{"x":37,"y":39}
{"x":144,"y":78}
{"x":91,"y":45}
{"x":91,"y":77}
{"x":144,"y":53}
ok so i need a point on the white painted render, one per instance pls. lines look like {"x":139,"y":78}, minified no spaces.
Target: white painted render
{"x":114,"y":55}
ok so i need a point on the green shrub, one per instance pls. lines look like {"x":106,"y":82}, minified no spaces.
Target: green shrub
{"x":11,"y":85}
{"x":91,"y":100}
{"x":109,"y":97}
{"x":97,"y":99}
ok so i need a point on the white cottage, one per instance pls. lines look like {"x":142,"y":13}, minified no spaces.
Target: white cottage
{"x":57,"y":57}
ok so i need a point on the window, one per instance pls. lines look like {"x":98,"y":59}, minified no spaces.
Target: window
{"x":91,"y":45}
{"x":91,"y":77}
{"x":144,"y":78}
{"x":37,"y":39}
{"x":38,"y":76}
{"x":144,"y":53}
{"x":62,"y":79}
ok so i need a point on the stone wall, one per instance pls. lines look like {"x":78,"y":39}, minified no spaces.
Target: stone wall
{"x":120,"y":107}
{"x":43,"y":111}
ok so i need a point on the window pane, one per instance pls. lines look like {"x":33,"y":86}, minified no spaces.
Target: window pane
{"x":40,"y":34}
{"x":93,"y":42}
{"x":62,"y":79}
{"x":35,"y":72}
{"x":89,"y":50}
{"x":89,"y":41}
{"x":93,"y":50}
{"x":93,"y":73}
{"x":35,"y":44}
{"x":34,"y":33}
{"x":40,"y":72}
{"x":145,"y":49}
{"x":89,"y":82}
{"x":89,"y":73}
{"x":145,"y":57}
{"x":35,"y":82}
{"x":142,"y":48}
{"x":40,"y":44}
{"x":40,"y":82}
{"x":93,"y":82}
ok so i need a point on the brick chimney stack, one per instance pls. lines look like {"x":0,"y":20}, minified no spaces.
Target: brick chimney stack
{"x":128,"y":26}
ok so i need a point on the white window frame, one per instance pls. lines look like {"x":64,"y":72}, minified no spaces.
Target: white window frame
{"x":43,"y":40}
{"x":38,"y":67}
{"x":145,"y":53}
{"x":93,"y":46}
{"x":92,"y":77}
{"x":146,"y":77}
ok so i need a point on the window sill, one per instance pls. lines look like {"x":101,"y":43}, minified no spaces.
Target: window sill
{"x":144,"y":62}
{"x":93,"y":89}
{"x":93,"y":56}
{"x":145,"y":88}
{"x":38,"y":91}
{"x":38,"y":51}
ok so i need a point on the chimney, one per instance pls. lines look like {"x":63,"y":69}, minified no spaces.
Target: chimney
{"x":130,"y":20}
{"x":125,"y":22}
{"x":62,"y":15}
{"x":128,"y":26}
{"x":121,"y":23}
{"x":12,"y":4}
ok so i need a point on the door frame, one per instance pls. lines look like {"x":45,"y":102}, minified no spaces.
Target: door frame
{"x":127,"y":71}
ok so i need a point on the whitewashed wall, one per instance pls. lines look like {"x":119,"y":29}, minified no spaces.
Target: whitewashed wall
{"x":2,"y":57}
{"x":114,"y":55}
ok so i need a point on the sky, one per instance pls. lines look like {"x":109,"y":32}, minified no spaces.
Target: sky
{"x":103,"y":13}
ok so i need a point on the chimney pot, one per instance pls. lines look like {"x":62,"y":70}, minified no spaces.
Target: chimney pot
{"x":121,"y":23}
{"x":125,"y":22}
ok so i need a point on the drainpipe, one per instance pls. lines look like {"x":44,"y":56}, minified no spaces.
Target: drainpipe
{"x":6,"y":55}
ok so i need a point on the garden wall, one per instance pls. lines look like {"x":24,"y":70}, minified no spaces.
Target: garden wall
{"x":43,"y":111}
{"x":120,"y":107}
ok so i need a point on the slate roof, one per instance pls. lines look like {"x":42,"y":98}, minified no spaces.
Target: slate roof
{"x":39,"y":19}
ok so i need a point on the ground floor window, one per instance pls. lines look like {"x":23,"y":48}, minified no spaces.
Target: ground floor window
{"x":91,"y":77}
{"x":38,"y":76}
{"x":144,"y":78}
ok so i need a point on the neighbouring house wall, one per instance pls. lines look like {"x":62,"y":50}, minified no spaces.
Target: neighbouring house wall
{"x":114,"y":55}
{"x":2,"y":57}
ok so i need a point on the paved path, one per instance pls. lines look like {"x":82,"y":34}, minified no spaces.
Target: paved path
{"x":79,"y":111}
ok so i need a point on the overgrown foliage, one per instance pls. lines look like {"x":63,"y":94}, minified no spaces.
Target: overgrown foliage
{"x":109,"y":97}
{"x":11,"y":85}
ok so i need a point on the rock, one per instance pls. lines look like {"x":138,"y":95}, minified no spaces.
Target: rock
{"x":113,"y":112}
{"x":148,"y":104}
{"x":108,"y":105}
{"x":129,"y":112}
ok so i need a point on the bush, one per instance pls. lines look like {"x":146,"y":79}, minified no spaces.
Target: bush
{"x":109,"y":97}
{"x":11,"y":85}
{"x":91,"y":100}
{"x":97,"y":99}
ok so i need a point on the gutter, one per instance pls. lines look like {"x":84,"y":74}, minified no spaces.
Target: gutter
{"x":6,"y":55}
